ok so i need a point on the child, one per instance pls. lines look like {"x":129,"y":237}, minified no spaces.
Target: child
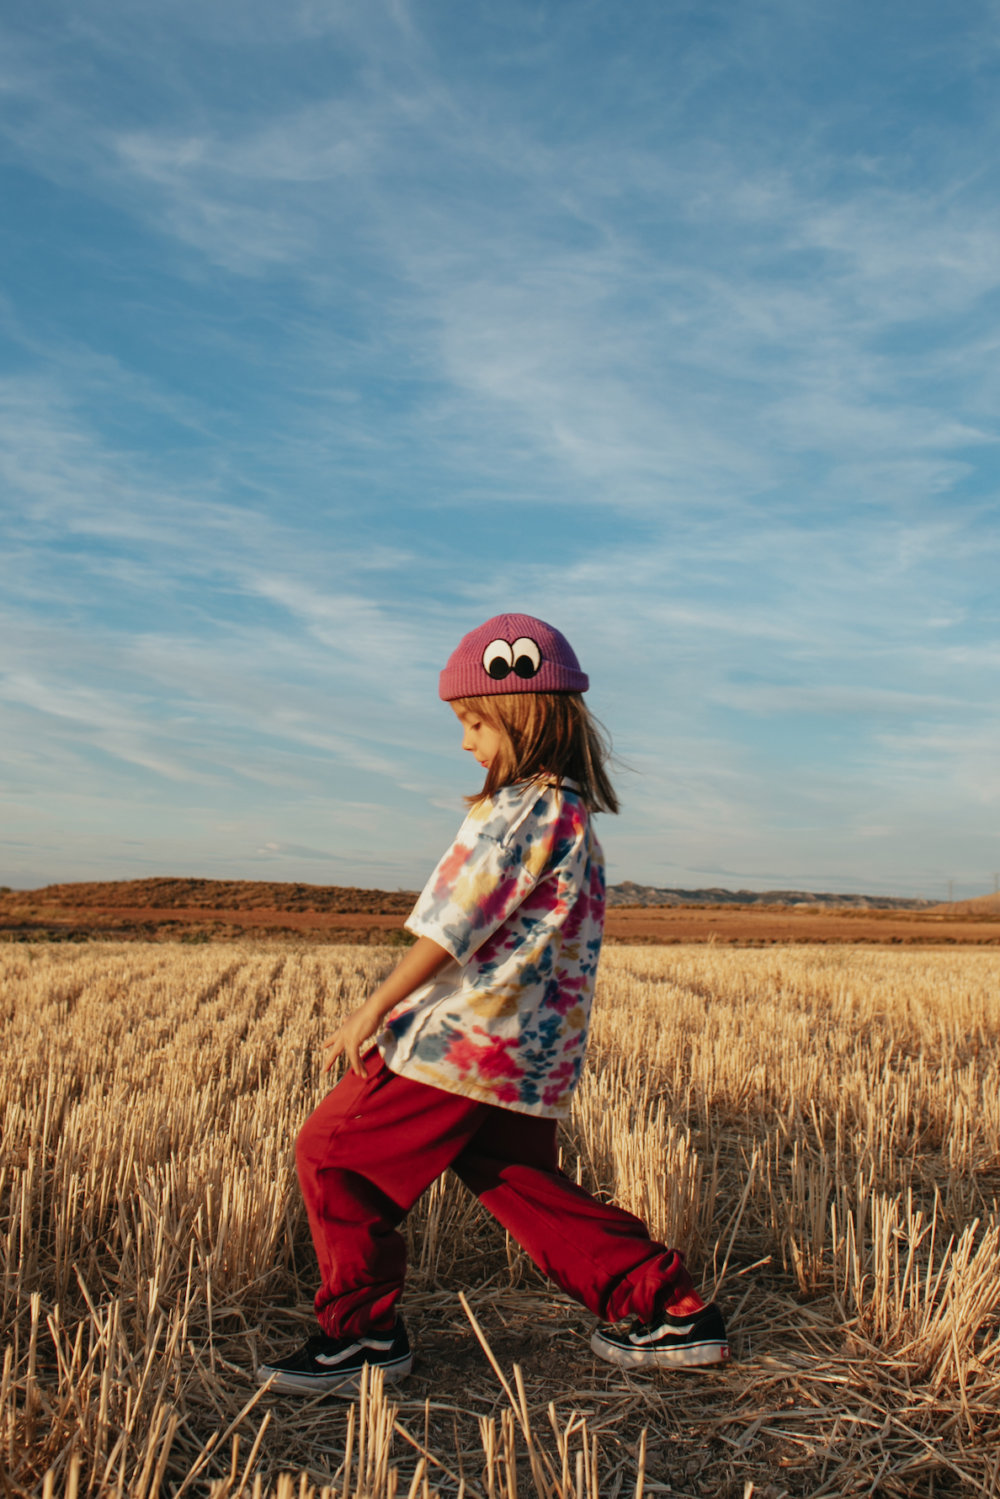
{"x":480,"y":1036}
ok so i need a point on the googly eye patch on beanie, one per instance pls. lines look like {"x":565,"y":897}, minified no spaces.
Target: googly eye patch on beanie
{"x":501,"y":657}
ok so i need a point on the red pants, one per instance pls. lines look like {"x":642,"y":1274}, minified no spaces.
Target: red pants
{"x":375,"y":1144}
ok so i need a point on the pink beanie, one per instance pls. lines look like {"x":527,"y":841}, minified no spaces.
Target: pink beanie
{"x":512,"y":653}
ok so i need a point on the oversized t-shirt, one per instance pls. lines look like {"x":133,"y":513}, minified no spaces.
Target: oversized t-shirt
{"x":518,"y":902}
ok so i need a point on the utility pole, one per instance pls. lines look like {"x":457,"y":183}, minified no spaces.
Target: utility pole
{"x":951,"y":890}
{"x":996,"y":884}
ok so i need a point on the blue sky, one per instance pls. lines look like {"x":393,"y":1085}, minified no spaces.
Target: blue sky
{"x":328,"y":330}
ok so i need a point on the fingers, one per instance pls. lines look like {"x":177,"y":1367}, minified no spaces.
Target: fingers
{"x":342,"y":1044}
{"x":337,"y":1045}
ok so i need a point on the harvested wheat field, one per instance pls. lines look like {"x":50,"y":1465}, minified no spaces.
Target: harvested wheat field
{"x":819,"y":1125}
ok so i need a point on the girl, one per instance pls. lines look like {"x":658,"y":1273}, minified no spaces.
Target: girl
{"x":480,"y":1034}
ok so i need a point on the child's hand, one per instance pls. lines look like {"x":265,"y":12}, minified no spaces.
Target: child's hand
{"x":422,"y":961}
{"x":349,"y":1038}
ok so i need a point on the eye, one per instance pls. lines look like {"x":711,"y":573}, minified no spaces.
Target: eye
{"x":527,"y":656}
{"x":498,"y":658}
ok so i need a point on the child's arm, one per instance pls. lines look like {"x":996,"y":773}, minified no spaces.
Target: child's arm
{"x":422,"y":961}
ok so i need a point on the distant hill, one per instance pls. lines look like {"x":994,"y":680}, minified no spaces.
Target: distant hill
{"x":266,"y":895}
{"x":630,"y":894}
{"x":980,"y":905}
{"x":224,"y":895}
{"x":191,"y":910}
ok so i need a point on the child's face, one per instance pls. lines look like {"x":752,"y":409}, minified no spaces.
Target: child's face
{"x":478,"y":738}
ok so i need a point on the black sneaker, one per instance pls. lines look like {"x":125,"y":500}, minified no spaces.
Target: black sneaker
{"x":669,"y":1343}
{"x":333,"y":1365}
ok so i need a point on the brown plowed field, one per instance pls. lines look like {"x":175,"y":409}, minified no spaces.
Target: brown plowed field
{"x":758,"y":925}
{"x":23,"y":917}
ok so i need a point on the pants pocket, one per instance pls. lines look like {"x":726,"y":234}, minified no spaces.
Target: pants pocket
{"x":342,"y":1107}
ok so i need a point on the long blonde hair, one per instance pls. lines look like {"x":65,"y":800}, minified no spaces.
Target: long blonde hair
{"x":545,"y":734}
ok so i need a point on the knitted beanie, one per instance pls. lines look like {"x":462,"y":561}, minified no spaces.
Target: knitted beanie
{"x":512,"y":653}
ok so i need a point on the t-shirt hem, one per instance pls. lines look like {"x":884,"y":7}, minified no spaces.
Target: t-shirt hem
{"x":468,"y":1089}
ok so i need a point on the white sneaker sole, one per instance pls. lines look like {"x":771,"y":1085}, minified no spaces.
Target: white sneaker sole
{"x":332,"y":1383}
{"x":681,"y":1356}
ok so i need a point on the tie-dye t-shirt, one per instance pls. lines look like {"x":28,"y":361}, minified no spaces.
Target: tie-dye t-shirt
{"x":518,"y":901}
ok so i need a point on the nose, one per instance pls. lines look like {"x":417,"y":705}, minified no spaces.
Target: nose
{"x":467,"y":742}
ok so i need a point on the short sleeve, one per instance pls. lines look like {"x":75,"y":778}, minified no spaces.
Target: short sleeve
{"x":496,"y":860}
